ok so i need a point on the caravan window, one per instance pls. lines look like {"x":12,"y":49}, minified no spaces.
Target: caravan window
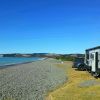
{"x":92,"y":56}
{"x":87,"y":56}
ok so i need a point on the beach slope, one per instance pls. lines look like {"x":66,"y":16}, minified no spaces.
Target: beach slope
{"x":30,"y":81}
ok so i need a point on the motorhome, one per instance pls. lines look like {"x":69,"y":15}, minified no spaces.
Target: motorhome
{"x":92,"y":60}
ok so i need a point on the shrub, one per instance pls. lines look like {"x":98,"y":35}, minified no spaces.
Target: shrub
{"x":65,"y":58}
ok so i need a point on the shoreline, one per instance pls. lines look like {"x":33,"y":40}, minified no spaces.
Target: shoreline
{"x":32,"y":81}
{"x":16,"y":64}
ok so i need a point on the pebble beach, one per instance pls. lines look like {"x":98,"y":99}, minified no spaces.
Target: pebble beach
{"x":31,"y":81}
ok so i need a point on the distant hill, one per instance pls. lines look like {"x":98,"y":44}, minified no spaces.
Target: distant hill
{"x":17,"y":55}
{"x":75,"y":55}
{"x":50,"y":55}
{"x":70,"y":57}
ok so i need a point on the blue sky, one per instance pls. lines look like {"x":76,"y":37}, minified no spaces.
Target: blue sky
{"x":55,"y":26}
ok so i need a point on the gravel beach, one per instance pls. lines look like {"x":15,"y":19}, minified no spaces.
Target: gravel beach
{"x":30,"y":81}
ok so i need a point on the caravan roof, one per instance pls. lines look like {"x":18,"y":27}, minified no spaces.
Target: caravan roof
{"x":98,"y":47}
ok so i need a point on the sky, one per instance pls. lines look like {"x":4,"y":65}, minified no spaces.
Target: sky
{"x":49,"y":26}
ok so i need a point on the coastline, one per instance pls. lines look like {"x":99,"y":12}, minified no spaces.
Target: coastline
{"x":16,"y":64}
{"x":32,"y":80}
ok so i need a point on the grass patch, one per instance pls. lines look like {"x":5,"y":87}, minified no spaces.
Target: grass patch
{"x":71,"y":90}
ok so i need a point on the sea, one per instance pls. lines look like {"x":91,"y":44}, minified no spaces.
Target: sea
{"x":6,"y":61}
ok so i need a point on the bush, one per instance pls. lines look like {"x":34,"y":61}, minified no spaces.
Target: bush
{"x":65,"y":58}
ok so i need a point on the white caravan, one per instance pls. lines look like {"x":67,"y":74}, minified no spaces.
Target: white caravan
{"x":92,"y":60}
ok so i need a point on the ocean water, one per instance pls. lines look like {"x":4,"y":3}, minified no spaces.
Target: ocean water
{"x":16,"y":60}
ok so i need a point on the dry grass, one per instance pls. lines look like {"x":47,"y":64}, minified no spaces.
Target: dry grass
{"x":71,"y":90}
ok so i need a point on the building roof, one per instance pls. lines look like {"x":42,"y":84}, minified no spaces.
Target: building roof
{"x":97,"y":47}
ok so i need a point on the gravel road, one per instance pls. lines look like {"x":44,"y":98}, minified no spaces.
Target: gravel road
{"x":30,"y":81}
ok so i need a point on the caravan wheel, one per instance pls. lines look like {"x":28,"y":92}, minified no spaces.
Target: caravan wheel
{"x":96,"y":74}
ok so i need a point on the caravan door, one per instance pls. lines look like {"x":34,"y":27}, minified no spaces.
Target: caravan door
{"x":94,"y":58}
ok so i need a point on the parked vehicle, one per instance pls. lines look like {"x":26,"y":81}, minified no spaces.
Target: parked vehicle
{"x":79,"y":64}
{"x":92,"y":60}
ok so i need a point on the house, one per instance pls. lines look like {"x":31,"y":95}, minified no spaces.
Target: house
{"x":92,"y":60}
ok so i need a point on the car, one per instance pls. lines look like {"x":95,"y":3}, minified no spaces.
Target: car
{"x":77,"y":62}
{"x":81,"y":66}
